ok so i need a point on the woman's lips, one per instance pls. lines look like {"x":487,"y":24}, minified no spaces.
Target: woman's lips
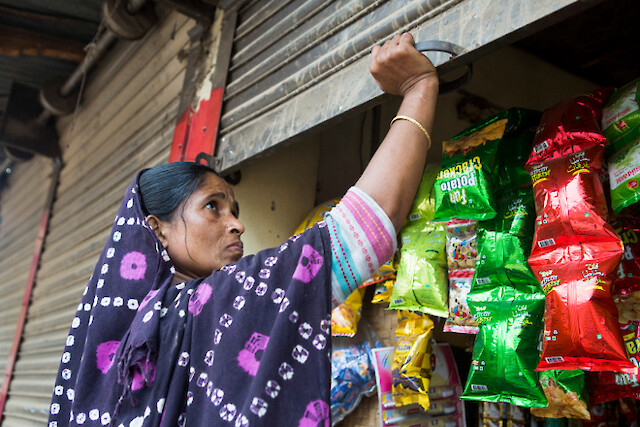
{"x":236,"y":247}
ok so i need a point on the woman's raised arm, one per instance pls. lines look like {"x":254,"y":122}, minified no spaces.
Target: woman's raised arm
{"x":393,"y":175}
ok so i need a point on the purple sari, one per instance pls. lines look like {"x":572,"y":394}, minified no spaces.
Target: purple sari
{"x":247,"y":346}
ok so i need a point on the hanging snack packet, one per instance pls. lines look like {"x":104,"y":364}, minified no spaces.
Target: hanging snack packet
{"x":352,"y":371}
{"x":581,"y":320}
{"x":622,"y":112}
{"x":624,"y":176}
{"x":461,"y":244}
{"x":465,"y":185}
{"x":460,"y":319}
{"x":627,"y":283}
{"x":504,"y":355}
{"x":345,"y":317}
{"x":504,"y":243}
{"x":411,"y":368}
{"x":569,"y":126}
{"x":606,"y":386}
{"x":566,"y":393}
{"x":383,"y":291}
{"x":515,"y":148}
{"x":570,"y":204}
{"x":422,"y":284}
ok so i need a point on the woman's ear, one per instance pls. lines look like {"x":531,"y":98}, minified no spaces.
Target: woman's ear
{"x":159,"y":227}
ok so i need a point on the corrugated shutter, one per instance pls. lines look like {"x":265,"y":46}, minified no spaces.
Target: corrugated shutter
{"x":21,"y":208}
{"x":298,"y":64}
{"x":126,"y":124}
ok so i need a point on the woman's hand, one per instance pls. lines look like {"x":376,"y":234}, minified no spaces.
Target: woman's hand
{"x":393,"y":174}
{"x":398,"y":67}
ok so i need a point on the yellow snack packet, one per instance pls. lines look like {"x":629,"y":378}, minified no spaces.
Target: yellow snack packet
{"x":345,"y":317}
{"x":383,"y":292}
{"x":411,"y":368}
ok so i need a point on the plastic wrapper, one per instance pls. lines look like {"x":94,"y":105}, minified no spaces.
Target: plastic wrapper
{"x":345,"y":317}
{"x":466,"y":182}
{"x":383,"y":291}
{"x":624,"y":176}
{"x":445,"y":409}
{"x":386,"y":272}
{"x":462,"y":249}
{"x":627,"y":282}
{"x":570,"y":204}
{"x":412,"y":368}
{"x":581,"y":320}
{"x":622,"y":112}
{"x":352,"y":371}
{"x":460,"y":319}
{"x":566,"y":393}
{"x":606,"y":386}
{"x":570,"y":126}
{"x":421,"y":282}
{"x":515,"y":148}
{"x":504,"y":355}
{"x":479,"y":160}
{"x":504,"y":243}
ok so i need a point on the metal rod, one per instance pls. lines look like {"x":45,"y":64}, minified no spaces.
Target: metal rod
{"x":101,"y":46}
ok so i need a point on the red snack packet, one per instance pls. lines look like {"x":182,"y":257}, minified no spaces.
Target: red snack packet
{"x":628,"y":273}
{"x":570,"y":204}
{"x":606,"y":386}
{"x":570,"y":126}
{"x":581,"y":329}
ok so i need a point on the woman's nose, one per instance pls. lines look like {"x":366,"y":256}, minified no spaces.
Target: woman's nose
{"x":235,"y":226}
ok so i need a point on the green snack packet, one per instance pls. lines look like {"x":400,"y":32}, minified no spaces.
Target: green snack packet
{"x":478,"y":160}
{"x":504,"y":243}
{"x":566,"y":393}
{"x":515,"y":148}
{"x":421,"y":282}
{"x":622,"y":112}
{"x":504,"y":355}
{"x":624,"y":176}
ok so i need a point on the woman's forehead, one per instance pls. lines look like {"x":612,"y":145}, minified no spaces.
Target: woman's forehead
{"x":213,"y":184}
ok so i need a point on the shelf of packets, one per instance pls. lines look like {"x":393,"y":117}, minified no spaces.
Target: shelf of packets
{"x":526,"y":238}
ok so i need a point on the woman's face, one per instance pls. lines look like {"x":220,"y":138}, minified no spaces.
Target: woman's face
{"x":205,"y":235}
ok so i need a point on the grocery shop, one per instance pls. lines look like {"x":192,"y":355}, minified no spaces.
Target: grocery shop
{"x":514,"y":296}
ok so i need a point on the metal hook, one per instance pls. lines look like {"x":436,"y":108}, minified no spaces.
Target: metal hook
{"x":454,"y":50}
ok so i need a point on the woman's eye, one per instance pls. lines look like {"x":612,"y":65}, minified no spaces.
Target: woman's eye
{"x":211,"y":205}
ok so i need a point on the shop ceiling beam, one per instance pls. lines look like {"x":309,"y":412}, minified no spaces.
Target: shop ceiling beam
{"x":339,"y":81}
{"x":18,"y":42}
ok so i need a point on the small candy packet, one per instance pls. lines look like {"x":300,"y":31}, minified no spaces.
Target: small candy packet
{"x":460,"y":319}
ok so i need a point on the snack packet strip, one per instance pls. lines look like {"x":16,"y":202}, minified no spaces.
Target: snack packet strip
{"x":624,"y":176}
{"x":460,"y":319}
{"x":411,"y":368}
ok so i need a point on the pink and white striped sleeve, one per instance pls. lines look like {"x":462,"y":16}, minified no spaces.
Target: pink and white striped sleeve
{"x":362,"y":239}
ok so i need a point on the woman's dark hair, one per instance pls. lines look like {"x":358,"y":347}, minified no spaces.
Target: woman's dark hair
{"x":164,"y":187}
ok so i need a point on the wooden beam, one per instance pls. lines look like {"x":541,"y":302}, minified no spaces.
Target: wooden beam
{"x":18,"y":42}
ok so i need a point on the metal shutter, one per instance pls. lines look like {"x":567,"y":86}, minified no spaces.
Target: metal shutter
{"x":125,"y":125}
{"x":298,"y":64}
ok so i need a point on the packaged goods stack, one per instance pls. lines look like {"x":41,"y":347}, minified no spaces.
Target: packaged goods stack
{"x":511,"y":243}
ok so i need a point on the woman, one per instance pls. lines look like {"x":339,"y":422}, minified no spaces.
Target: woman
{"x":176,"y":327}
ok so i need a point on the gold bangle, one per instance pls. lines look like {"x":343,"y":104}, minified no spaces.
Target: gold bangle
{"x":415,"y":122}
